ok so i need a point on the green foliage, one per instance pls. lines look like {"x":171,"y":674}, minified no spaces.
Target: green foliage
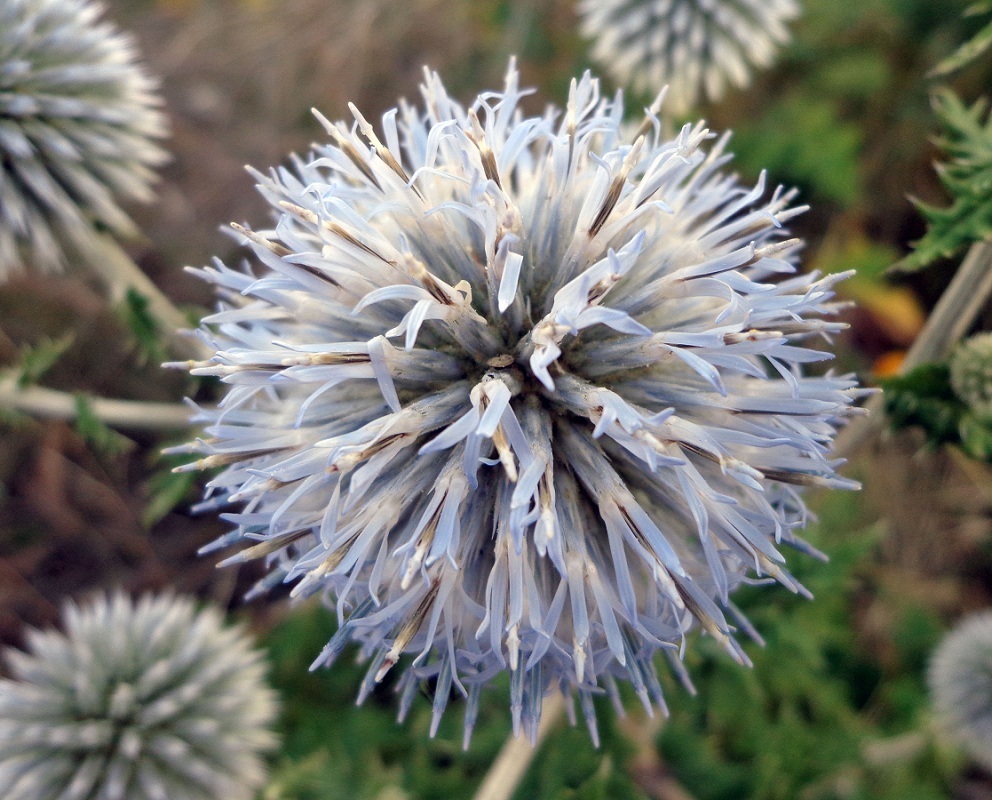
{"x":135,"y":314}
{"x":569,"y":768}
{"x":333,"y":750}
{"x":967,"y":142}
{"x":817,"y":717}
{"x":167,"y":489}
{"x":924,"y":397}
{"x":37,"y":359}
{"x":801,"y":140}
{"x":972,"y":48}
{"x":97,"y":434}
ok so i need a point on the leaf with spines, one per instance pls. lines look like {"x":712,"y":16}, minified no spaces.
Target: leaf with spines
{"x":967,"y":176}
{"x":971,"y":49}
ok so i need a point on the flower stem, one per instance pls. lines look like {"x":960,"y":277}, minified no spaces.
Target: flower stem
{"x":517,"y":753}
{"x":120,"y":274}
{"x":52,"y":404}
{"x":951,"y":318}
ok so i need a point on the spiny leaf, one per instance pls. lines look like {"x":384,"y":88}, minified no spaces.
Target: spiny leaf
{"x":966,"y":53}
{"x":925,"y":397}
{"x":967,"y":175}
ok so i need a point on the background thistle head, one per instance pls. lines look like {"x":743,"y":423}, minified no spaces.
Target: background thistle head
{"x":78,"y":122}
{"x":960,"y":679}
{"x":971,"y":374}
{"x":135,"y":700}
{"x":695,"y":47}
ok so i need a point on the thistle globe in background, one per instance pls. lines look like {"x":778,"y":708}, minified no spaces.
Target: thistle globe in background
{"x":971,"y":374}
{"x":78,"y":123}
{"x":696,"y":47}
{"x":519,"y":394}
{"x":960,"y":679}
{"x":146,"y":700}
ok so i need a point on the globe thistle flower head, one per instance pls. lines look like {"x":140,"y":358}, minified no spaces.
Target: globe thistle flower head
{"x":696,"y":47}
{"x":971,"y":373}
{"x":519,"y":393}
{"x":145,"y":700}
{"x":960,"y":679}
{"x":78,"y":123}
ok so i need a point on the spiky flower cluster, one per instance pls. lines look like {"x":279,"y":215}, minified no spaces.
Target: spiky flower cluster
{"x":960,"y":678}
{"x":519,"y":393}
{"x":78,"y":120}
{"x":971,"y":373}
{"x":694,"y":46}
{"x":146,"y":700}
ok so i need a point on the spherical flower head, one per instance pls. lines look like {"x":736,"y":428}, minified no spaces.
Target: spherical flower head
{"x":696,"y":47}
{"x":960,"y":679}
{"x":519,"y":393}
{"x":145,"y":700}
{"x":971,"y":373}
{"x":78,"y":123}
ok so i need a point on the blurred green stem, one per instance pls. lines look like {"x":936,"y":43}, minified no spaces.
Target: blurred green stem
{"x":51,"y":404}
{"x":951,"y":318}
{"x":516,"y":754}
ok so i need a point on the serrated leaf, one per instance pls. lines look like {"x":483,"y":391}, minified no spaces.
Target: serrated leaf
{"x":95,"y":431}
{"x":924,"y":397}
{"x":37,"y":359}
{"x":967,"y":52}
{"x":967,"y":175}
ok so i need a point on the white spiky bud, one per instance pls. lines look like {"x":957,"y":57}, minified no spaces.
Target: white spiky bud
{"x":695,"y":47}
{"x":960,"y":679}
{"x":971,"y":373}
{"x":145,"y":700}
{"x":78,"y":123}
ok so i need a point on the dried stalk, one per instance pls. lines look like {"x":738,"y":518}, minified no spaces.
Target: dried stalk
{"x":129,"y":414}
{"x":516,"y":754}
{"x":953,"y":315}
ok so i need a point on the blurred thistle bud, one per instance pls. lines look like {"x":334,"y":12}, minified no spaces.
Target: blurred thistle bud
{"x":695,"y":47}
{"x":78,"y":120}
{"x":520,"y":393}
{"x":960,"y":679}
{"x":146,"y":700}
{"x":971,"y":374}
